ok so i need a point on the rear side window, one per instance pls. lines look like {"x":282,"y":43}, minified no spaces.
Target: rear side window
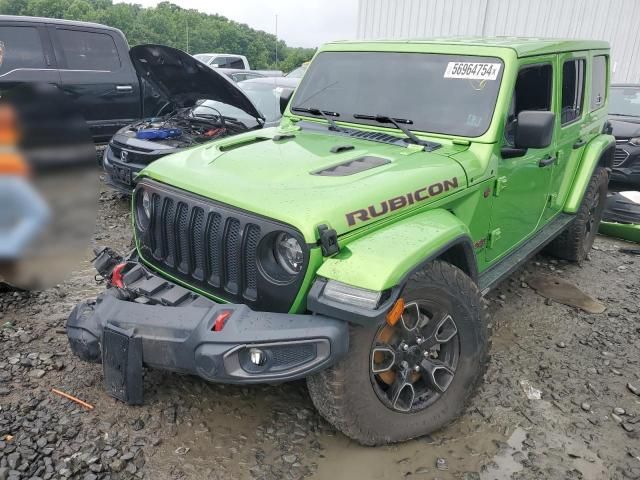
{"x":220,"y":62}
{"x":572,"y":90}
{"x":598,"y":81}
{"x":20,"y":47}
{"x":235,"y":62}
{"x":89,"y":50}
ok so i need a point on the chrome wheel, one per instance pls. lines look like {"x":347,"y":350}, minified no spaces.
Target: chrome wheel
{"x":413,"y":362}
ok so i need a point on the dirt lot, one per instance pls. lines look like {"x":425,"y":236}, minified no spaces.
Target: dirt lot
{"x":555,"y":403}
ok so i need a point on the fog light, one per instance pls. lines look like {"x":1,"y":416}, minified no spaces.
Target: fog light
{"x":257,"y":357}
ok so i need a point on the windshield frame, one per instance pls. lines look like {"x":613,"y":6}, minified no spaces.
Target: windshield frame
{"x":504,"y":56}
{"x":612,"y":88}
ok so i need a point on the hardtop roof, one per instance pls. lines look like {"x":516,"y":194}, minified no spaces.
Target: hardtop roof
{"x":524,"y":47}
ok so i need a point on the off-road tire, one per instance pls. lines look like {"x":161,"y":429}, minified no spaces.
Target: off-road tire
{"x":574,"y":244}
{"x":344,"y":394}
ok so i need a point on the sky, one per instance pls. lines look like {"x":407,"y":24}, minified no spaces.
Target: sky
{"x":301,"y":23}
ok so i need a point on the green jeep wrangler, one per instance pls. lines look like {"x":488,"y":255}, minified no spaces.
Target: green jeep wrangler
{"x":352,"y":245}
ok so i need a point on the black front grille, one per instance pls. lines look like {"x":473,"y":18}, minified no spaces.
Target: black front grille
{"x":213,"y":247}
{"x":619,"y":157}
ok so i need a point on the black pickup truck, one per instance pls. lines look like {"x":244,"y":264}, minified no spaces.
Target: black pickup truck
{"x":87,"y":61}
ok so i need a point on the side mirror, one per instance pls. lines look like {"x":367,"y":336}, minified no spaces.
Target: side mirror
{"x":285,"y":96}
{"x":534,"y":129}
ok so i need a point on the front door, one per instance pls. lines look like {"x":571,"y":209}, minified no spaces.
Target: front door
{"x":521,"y":190}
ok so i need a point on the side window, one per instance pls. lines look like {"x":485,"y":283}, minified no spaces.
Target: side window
{"x":20,"y":47}
{"x":235,"y":62}
{"x":598,"y":81}
{"x":88,"y":50}
{"x":572,"y":90}
{"x":219,"y":62}
{"x":534,"y":87}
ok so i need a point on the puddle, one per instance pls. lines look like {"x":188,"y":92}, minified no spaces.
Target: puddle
{"x":504,"y":463}
{"x":416,"y":459}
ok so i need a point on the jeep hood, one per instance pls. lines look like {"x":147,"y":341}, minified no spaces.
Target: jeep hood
{"x":182,"y":79}
{"x":301,"y":182}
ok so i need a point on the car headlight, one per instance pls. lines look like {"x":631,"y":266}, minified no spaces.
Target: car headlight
{"x":635,"y":141}
{"x":350,"y":295}
{"x":143,"y":208}
{"x":288,"y":253}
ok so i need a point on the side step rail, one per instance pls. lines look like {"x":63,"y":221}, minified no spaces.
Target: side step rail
{"x":505,"y":267}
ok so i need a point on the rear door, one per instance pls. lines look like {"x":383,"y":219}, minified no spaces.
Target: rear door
{"x":582,"y":91}
{"x":96,"y":72}
{"x":26,"y":55}
{"x":571,"y":131}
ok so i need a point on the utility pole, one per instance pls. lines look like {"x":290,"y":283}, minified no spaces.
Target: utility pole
{"x":276,"y":41}
{"x":187,"y":22}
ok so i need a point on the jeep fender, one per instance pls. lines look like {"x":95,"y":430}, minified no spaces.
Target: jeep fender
{"x":384,"y":258}
{"x":598,"y":152}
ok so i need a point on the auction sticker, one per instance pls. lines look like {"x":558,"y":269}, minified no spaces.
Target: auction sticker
{"x":472,"y":70}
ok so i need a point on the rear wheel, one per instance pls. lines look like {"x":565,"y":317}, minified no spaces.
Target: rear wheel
{"x":408,"y":379}
{"x":574,"y":244}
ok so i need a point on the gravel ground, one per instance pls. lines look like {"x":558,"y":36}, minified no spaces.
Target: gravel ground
{"x":558,"y":400}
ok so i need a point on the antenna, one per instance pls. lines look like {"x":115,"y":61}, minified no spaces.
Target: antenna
{"x":187,"y":22}
{"x":276,"y":41}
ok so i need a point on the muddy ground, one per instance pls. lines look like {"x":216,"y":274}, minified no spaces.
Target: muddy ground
{"x":555,"y":402}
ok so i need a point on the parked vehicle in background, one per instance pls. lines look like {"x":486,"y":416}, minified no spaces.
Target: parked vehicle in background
{"x":298,"y":72}
{"x":240,"y":75}
{"x":87,"y":61}
{"x":624,"y":117}
{"x":352,"y":244}
{"x":236,"y":62}
{"x":215,"y":114}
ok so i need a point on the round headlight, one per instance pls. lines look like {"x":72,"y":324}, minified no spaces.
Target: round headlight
{"x":288,"y":253}
{"x":146,"y":204}
{"x":143,"y":209}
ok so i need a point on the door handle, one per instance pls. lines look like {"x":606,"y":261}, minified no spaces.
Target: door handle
{"x":546,"y":161}
{"x":580,"y":143}
{"x":124,"y":88}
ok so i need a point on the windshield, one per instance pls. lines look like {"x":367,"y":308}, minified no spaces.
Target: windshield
{"x":449,"y":94}
{"x":625,"y":101}
{"x":265,"y":97}
{"x":297,"y":73}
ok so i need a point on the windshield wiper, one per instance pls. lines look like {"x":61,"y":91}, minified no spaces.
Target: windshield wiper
{"x":399,"y":123}
{"x":322,"y":113}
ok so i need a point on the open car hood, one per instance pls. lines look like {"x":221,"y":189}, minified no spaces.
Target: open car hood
{"x":183,"y":79}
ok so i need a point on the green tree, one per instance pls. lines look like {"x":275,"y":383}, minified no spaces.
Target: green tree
{"x":167,"y":24}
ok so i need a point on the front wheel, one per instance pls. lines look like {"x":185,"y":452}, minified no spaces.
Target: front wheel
{"x":409,"y":379}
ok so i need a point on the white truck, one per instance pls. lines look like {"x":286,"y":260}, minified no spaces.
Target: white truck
{"x":236,"y":62}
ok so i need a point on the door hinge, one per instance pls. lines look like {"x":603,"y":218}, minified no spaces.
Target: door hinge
{"x":494,"y":236}
{"x":501,"y":184}
{"x":552,"y":198}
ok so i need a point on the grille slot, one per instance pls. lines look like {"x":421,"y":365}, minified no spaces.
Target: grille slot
{"x":619,"y":156}
{"x":214,"y":247}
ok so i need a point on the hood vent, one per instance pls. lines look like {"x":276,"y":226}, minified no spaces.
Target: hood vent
{"x":351,"y":167}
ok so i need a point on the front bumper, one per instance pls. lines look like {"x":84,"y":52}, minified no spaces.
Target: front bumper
{"x":626,"y":165}
{"x":125,"y":157}
{"x":174,"y":330}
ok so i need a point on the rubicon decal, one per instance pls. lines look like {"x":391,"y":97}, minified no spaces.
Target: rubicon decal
{"x":395,"y":203}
